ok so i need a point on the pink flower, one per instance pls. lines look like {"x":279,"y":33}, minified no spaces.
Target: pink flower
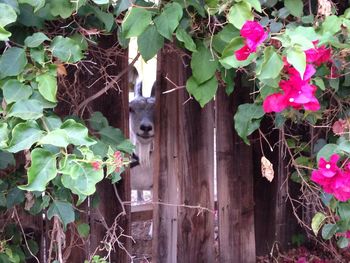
{"x":243,"y":53}
{"x":325,"y":175}
{"x":318,"y":55}
{"x":341,"y":187}
{"x":96,"y":165}
{"x":298,"y":93}
{"x":253,"y":34}
{"x":309,"y":72}
{"x":333,"y":179}
{"x":329,"y":168}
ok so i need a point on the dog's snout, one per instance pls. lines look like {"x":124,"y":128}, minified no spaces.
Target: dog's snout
{"x":146,"y":127}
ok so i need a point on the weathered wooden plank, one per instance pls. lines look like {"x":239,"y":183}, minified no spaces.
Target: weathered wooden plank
{"x":115,"y":108}
{"x":234,"y":183}
{"x":196,"y":182}
{"x":184,"y":170}
{"x":166,"y":165}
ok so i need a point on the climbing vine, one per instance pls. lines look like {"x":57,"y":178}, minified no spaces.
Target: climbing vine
{"x":293,"y":53}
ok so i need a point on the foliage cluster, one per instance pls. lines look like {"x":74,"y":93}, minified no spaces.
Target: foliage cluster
{"x":63,"y":158}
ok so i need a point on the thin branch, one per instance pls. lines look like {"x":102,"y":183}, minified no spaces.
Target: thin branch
{"x":24,"y":235}
{"x":109,"y":85}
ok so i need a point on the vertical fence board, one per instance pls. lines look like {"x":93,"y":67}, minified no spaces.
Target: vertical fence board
{"x":196,"y":182}
{"x":184,"y":170}
{"x":166,"y":164}
{"x":115,"y":107}
{"x":234,"y":183}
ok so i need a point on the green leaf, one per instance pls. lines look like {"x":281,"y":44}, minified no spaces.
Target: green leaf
{"x":7,"y":14}
{"x":169,"y":19}
{"x":344,"y":211}
{"x":239,"y":14}
{"x":319,"y":83}
{"x":66,"y":49}
{"x":44,"y":103}
{"x":13,"y":91}
{"x":121,"y":6}
{"x":47,"y":86}
{"x":185,"y":38}
{"x":77,"y":133}
{"x":52,"y":122}
{"x":37,"y":4}
{"x":114,"y":138}
{"x":328,"y":231}
{"x":38,"y":55}
{"x":295,"y":7}
{"x":326,"y":151}
{"x":256,"y":4}
{"x":63,"y":210}
{"x":62,"y":8}
{"x":57,"y":138}
{"x":42,"y":170}
{"x":331,"y":25}
{"x":24,"y":135}
{"x":202,"y":92}
{"x":6,"y":159}
{"x":317,"y":222}
{"x":106,"y":18}
{"x":97,"y":121}
{"x":271,"y":66}
{"x":80,"y":178}
{"x":83,"y":230}
{"x":135,"y":22}
{"x":14,"y":197}
{"x":35,"y":40}
{"x":343,"y":242}
{"x":26,"y":110}
{"x":297,"y":58}
{"x":225,"y":36}
{"x":247,"y":119}
{"x":4,"y":34}
{"x":149,"y":42}
{"x":12,"y":62}
{"x":203,"y":64}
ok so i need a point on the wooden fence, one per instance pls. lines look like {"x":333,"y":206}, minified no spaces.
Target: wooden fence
{"x":252,"y":213}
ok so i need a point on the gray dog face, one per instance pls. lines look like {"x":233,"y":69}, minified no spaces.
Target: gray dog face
{"x":142,"y":118}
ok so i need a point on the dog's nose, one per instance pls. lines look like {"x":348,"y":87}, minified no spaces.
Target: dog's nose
{"x":146,"y":128}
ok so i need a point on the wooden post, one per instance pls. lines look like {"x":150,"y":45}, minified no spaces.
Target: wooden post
{"x":115,"y":107}
{"x":184,"y":170}
{"x":234,"y":183}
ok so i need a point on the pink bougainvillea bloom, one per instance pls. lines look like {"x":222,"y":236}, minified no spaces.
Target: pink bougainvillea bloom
{"x":333,"y":179}
{"x":96,"y":165}
{"x":298,"y":93}
{"x":341,"y":187}
{"x":253,"y":34}
{"x":327,"y":173}
{"x":309,"y":72}
{"x":275,"y":103}
{"x":243,"y":53}
{"x":318,"y":55}
{"x":329,"y":168}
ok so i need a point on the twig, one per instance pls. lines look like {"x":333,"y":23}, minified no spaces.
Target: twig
{"x":109,"y":85}
{"x":24,"y":235}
